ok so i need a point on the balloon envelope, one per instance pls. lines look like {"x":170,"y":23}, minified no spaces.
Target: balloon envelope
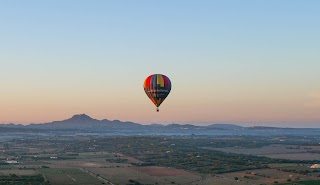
{"x":157,"y":88}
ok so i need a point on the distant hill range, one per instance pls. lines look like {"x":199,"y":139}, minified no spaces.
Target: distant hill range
{"x":83,"y":123}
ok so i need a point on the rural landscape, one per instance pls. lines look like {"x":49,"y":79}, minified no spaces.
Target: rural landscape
{"x":35,"y":155}
{"x":166,"y":92}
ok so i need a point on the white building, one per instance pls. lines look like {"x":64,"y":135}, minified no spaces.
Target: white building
{"x":11,"y":162}
{"x":315,"y":166}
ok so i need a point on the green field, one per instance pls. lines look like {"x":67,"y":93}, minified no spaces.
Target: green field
{"x":23,"y":180}
{"x":69,"y":176}
{"x":95,"y":155}
{"x":311,"y":182}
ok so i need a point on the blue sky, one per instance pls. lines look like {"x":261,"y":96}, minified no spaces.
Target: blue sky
{"x":248,"y":62}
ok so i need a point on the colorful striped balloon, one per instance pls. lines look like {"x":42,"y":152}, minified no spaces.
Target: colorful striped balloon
{"x":157,"y":88}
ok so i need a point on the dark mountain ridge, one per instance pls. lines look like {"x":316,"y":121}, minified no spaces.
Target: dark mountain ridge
{"x":85,"y":123}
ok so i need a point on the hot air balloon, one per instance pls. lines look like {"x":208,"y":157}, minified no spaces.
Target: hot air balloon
{"x":157,"y":88}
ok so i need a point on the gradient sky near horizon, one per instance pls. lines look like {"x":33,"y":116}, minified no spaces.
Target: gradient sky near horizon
{"x":246,"y":62}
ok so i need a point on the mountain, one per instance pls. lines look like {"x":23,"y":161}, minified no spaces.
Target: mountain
{"x":185,"y":126}
{"x":82,"y":123}
{"x":226,"y":126}
{"x":81,"y":118}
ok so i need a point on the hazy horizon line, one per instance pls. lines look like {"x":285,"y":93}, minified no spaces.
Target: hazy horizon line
{"x":277,"y":124}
